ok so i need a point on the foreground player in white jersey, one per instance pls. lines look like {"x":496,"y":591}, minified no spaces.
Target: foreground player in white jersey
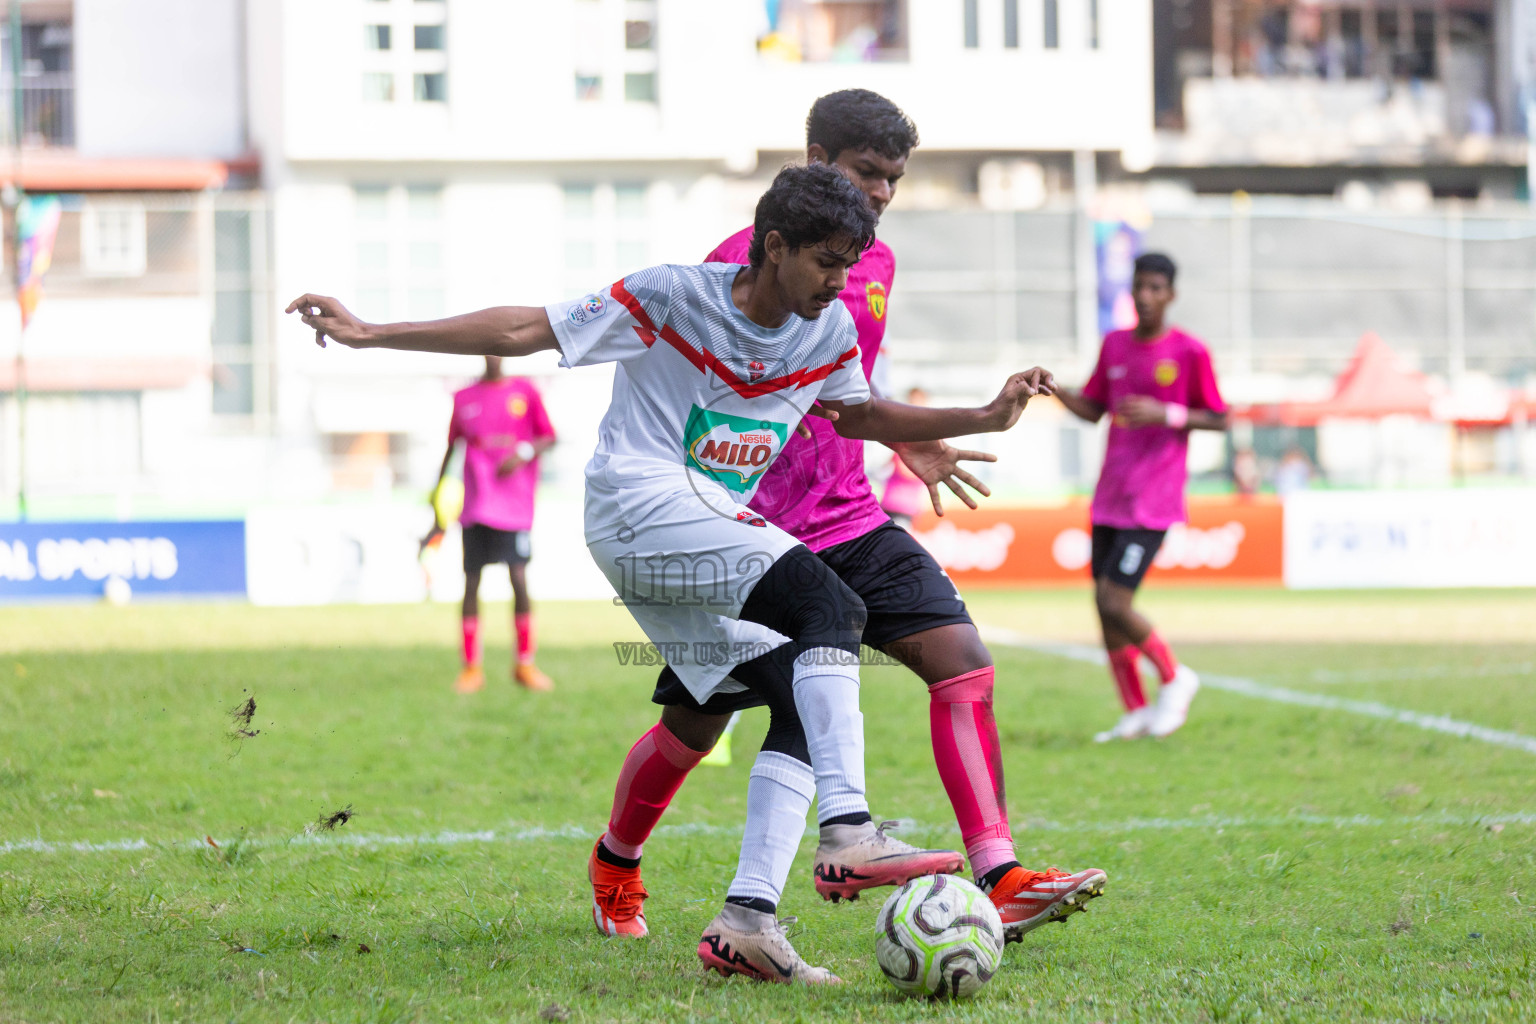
{"x":717,"y":364}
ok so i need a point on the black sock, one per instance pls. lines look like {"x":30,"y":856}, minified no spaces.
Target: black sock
{"x":607,"y":856}
{"x":754,"y":903}
{"x":856,"y":818}
{"x":991,"y":878}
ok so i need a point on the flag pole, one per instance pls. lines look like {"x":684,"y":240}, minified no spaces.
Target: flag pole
{"x":13,"y":198}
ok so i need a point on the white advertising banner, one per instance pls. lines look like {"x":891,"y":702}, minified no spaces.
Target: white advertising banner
{"x":1440,"y":538}
{"x":370,"y":554}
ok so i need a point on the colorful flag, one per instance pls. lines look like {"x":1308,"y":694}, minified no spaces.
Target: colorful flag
{"x":37,"y":224}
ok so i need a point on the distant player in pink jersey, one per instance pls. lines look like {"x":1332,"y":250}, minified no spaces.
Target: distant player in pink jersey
{"x":1158,"y":385}
{"x":905,"y":494}
{"x":504,"y":428}
{"x":818,"y":492}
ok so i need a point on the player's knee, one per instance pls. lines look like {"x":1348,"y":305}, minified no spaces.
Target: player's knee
{"x":1111,"y":602}
{"x":806,"y":601}
{"x":787,"y":736}
{"x":696,"y":730}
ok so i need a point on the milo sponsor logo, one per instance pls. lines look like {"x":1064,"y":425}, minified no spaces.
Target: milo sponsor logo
{"x":733,"y":450}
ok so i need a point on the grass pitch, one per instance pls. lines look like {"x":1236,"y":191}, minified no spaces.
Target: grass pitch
{"x":1269,"y":862}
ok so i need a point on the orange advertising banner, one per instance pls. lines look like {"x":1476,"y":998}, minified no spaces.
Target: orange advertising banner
{"x":1227,"y":540}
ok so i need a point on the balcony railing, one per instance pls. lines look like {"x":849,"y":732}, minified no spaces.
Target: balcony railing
{"x":47,"y":110}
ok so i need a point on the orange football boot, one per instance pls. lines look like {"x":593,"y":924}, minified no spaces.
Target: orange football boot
{"x":617,"y":898}
{"x":471,"y":679}
{"x":527,"y":675}
{"x":1026,"y":899}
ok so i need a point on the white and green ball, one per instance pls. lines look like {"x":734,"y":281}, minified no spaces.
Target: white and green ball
{"x":939,"y":935}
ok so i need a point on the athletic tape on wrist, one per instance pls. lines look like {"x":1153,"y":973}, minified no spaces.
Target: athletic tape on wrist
{"x":1177,"y":416}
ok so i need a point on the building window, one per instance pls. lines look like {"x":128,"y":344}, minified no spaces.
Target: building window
{"x":401,"y":256}
{"x":1011,"y":24}
{"x":430,"y":37}
{"x":580,"y":201}
{"x":112,"y":240}
{"x":972,"y":25}
{"x":589,"y":87}
{"x":378,"y":87}
{"x":640,"y":35}
{"x":640,"y":87}
{"x":373,"y":257}
{"x":375,"y":37}
{"x":424,"y":202}
{"x":371,"y":202}
{"x":431,"y":87}
{"x":1052,"y":25}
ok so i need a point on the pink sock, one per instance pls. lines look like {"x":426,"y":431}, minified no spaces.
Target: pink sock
{"x":1122,"y":665}
{"x":653,"y":772}
{"x":471,"y":626}
{"x":970,"y":763}
{"x":524,"y":623}
{"x":1154,"y":648}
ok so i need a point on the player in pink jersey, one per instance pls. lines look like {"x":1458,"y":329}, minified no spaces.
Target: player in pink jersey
{"x":818,"y":492}
{"x":1158,"y":384}
{"x":905,"y":492}
{"x":504,"y":428}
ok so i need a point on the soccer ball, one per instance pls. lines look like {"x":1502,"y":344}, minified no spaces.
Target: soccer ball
{"x":939,"y":935}
{"x":116,"y":591}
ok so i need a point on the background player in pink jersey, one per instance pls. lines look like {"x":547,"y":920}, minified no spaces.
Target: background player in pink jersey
{"x":818,"y":492}
{"x":904,"y":496}
{"x":1158,"y":384}
{"x":504,"y":427}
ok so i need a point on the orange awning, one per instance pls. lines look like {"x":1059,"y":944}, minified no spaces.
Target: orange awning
{"x":69,"y":172}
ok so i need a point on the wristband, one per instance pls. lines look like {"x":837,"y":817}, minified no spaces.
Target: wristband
{"x":525,"y":451}
{"x":1175,"y":415}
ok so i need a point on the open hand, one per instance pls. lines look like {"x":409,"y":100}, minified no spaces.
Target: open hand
{"x":935,"y":462}
{"x":1017,"y":391}
{"x":330,"y":319}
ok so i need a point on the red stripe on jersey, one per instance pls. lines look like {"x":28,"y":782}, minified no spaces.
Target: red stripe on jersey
{"x":647,"y":328}
{"x":705,"y":360}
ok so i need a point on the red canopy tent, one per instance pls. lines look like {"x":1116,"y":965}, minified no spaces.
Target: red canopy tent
{"x":1374,"y":384}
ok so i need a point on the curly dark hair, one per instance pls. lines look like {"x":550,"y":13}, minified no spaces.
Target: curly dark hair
{"x":811,"y":204}
{"x":1156,"y":263}
{"x":859,"y":119}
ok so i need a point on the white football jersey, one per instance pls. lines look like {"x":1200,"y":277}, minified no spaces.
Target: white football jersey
{"x":703,"y":398}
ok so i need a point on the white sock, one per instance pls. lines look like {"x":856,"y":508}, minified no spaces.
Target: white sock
{"x":827,"y":698}
{"x":779,"y":792}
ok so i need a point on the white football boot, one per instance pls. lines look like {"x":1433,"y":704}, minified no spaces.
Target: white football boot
{"x":741,"y":940}
{"x":1133,"y":725}
{"x":1173,"y":700}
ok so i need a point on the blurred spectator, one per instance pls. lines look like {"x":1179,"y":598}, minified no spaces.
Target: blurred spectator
{"x":1245,"y":472}
{"x":1294,"y":472}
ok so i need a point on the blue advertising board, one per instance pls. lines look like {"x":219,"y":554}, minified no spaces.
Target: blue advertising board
{"x":62,"y":560}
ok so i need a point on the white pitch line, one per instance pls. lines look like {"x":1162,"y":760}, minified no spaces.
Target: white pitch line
{"x":1249,"y":688}
{"x":536,"y":833}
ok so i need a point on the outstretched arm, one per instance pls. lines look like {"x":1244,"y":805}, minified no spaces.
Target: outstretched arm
{"x":498,"y":331}
{"x":880,"y":419}
{"x":1080,"y":405}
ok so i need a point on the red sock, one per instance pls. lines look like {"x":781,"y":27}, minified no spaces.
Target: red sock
{"x":1122,"y":665}
{"x":1154,"y":648}
{"x":653,"y":771}
{"x":471,"y":626}
{"x":970,"y":762}
{"x":524,"y":623}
